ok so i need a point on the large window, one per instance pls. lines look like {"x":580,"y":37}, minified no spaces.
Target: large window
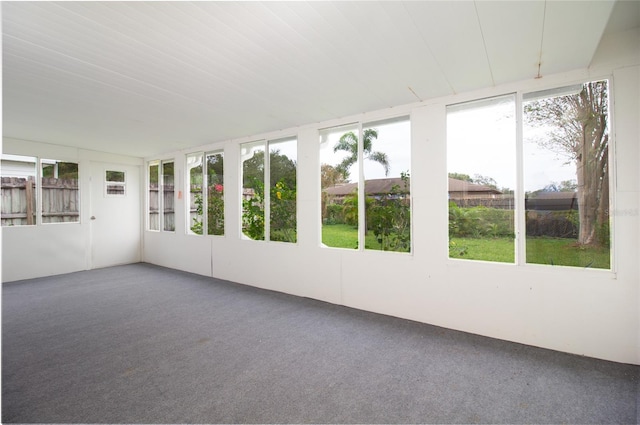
{"x":365,"y":179}
{"x":566,"y":176}
{"x":153,"y":195}
{"x":161,"y":196}
{"x":339,"y":176}
{"x":269,"y":214}
{"x":481,"y":166}
{"x":60,"y":196}
{"x":561,"y":188}
{"x":56,"y":194}
{"x":206,"y":190}
{"x":168,"y":196}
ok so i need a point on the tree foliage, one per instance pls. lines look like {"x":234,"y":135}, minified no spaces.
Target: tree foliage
{"x":330,"y":176}
{"x":282,"y":168}
{"x":282,"y":196}
{"x":349,"y":143}
{"x":390,"y":218}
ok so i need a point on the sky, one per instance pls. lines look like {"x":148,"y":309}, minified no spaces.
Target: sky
{"x":482,"y":140}
{"x":394,"y":139}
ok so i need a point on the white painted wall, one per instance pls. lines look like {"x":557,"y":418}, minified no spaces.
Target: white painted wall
{"x":50,"y":249}
{"x":587,"y":312}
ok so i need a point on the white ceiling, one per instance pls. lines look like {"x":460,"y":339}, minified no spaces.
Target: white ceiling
{"x":143,"y":78}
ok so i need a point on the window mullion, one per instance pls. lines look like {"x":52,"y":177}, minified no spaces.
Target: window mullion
{"x":267,"y":192}
{"x":519,"y":196}
{"x":205,"y":194}
{"x":38,"y":192}
{"x":161,"y":195}
{"x":362,"y":225}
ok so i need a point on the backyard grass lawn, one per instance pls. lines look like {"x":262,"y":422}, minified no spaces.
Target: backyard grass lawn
{"x":554,"y":251}
{"x":564,"y":252}
{"x":494,"y":249}
{"x":346,"y":236}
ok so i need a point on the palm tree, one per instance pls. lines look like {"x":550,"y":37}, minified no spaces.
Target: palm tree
{"x":349,"y":143}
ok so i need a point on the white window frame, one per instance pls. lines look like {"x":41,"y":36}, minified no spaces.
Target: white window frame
{"x":109,"y":184}
{"x":267,"y":186}
{"x":205,"y":200}
{"x":520,"y":212}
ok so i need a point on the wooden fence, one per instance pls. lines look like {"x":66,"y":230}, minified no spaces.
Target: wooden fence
{"x":60,"y":201}
{"x":168,"y":207}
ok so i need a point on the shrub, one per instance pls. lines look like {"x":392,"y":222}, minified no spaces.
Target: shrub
{"x":477,"y":222}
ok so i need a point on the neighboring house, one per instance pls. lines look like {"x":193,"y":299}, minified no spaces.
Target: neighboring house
{"x":374,"y":188}
{"x":458,"y":189}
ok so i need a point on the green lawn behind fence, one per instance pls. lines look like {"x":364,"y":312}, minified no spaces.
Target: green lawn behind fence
{"x":553,"y":251}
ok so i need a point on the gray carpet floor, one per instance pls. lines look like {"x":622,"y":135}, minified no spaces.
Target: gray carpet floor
{"x":146,"y":344}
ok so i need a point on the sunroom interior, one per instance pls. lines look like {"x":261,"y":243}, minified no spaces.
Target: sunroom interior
{"x":140,"y":102}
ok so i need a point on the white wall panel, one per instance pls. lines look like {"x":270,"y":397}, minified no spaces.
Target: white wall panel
{"x":37,"y":251}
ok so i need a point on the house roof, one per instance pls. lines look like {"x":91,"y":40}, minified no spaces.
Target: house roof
{"x":380,"y":186}
{"x":372,"y":187}
{"x":456,"y":185}
{"x":552,"y":201}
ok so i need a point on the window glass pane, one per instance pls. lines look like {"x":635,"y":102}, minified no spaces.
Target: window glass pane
{"x":481,"y":141}
{"x":215,"y":193}
{"x":168,"y":215}
{"x":60,"y":202}
{"x":18,"y":190}
{"x":115,"y":182}
{"x":115,"y":176}
{"x":252,"y":155}
{"x":154,"y":200}
{"x":196,"y":196}
{"x":282,"y":166}
{"x":566,"y":176}
{"x":387,"y":159}
{"x":339,"y":176}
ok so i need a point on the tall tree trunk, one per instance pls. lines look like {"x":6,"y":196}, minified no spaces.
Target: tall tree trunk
{"x":592,"y":162}
{"x":587,"y":201}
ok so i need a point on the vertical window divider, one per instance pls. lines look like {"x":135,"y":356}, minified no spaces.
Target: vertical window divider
{"x":267,"y":192}
{"x":161,"y":195}
{"x":520,"y":223}
{"x":613,"y":180}
{"x":38,"y":191}
{"x":362,"y":225}
{"x":205,"y":194}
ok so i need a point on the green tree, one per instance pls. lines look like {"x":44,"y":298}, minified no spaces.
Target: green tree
{"x":282,"y":195}
{"x":389,"y":217}
{"x":283,"y":213}
{"x":460,"y":176}
{"x":349,"y":143}
{"x":577,"y":127}
{"x":282,"y":168}
{"x":485,"y":181}
{"x":330,"y":176}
